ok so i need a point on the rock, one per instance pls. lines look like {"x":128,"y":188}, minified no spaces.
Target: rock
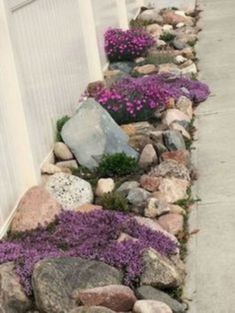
{"x":115,"y":297}
{"x":112,"y":76}
{"x":172,"y":222}
{"x":148,"y":156}
{"x":138,"y":142}
{"x":140,"y":60}
{"x":150,"y":293}
{"x":156,"y":207}
{"x":174,"y":189}
{"x":150,"y":183}
{"x":86,"y":208}
{"x":188,"y":53}
{"x":151,"y":15}
{"x":91,"y":309}
{"x":170,"y":169}
{"x":180,"y":25}
{"x":151,"y":306}
{"x":70,"y":191}
{"x":179,"y":59}
{"x":176,"y":126}
{"x":156,"y":135}
{"x":36,"y":207}
{"x":186,"y":64}
{"x":146,"y":69}
{"x":12,"y":296}
{"x":62,"y":151}
{"x":191,"y":69}
{"x":155,"y":30}
{"x":124,"y":237}
{"x":71,"y":164}
{"x":177,"y":209}
{"x":180,"y":156}
{"x":138,"y":196}
{"x":174,"y":140}
{"x":123,"y":66}
{"x":173,"y":115}
{"x":159,"y":271}
{"x":56,"y":282}
{"x":167,"y":28}
{"x":127,"y":186}
{"x":170,"y":17}
{"x":90,"y":138}
{"x":139,"y":128}
{"x":178,"y":44}
{"x":104,"y":185}
{"x":160,"y":147}
{"x":169,"y":68}
{"x":161,"y":43}
{"x":155,"y":226}
{"x":50,"y":169}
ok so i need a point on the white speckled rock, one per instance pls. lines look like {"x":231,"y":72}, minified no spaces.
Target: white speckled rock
{"x":70,"y":191}
{"x":151,"y":306}
{"x":104,"y":185}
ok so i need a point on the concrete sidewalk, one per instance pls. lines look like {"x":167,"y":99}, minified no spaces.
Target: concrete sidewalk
{"x":211,"y":261}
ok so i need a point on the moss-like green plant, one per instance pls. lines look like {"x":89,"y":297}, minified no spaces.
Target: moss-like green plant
{"x":114,"y":201}
{"x":139,"y":23}
{"x":167,"y":37}
{"x":160,"y":58}
{"x":118,"y":164}
{"x":59,"y":125}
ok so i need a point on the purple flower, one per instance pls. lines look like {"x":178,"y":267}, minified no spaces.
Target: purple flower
{"x":90,"y":235}
{"x":126,"y":45}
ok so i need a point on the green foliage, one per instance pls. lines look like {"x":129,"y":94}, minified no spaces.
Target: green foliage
{"x":118,"y":164}
{"x":167,"y":37}
{"x":139,"y":23}
{"x":114,"y":201}
{"x":160,"y":58}
{"x":59,"y":125}
{"x":86,"y":174}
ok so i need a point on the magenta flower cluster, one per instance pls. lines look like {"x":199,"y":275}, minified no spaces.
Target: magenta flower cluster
{"x":135,"y":99}
{"x":93,"y":236}
{"x":126,"y":45}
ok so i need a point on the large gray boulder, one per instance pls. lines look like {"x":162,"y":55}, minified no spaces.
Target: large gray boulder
{"x":56,"y":282}
{"x":92,"y":132}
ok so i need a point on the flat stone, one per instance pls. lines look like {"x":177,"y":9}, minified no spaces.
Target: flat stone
{"x":191,"y":69}
{"x":151,"y":306}
{"x":172,"y":222}
{"x":159,"y":271}
{"x":138,"y":196}
{"x":174,"y":189}
{"x":37,"y":207}
{"x":170,"y":17}
{"x":148,"y":156}
{"x":86,"y":208}
{"x":71,"y":164}
{"x":70,"y":191}
{"x":62,"y":151}
{"x":180,"y":156}
{"x":169,"y":68}
{"x":174,"y":140}
{"x":127,"y":186}
{"x":94,"y":136}
{"x":50,"y":169}
{"x":123,"y":66}
{"x":150,"y":183}
{"x":178,"y":44}
{"x":156,"y":207}
{"x":150,"y":293}
{"x":139,"y":128}
{"x":173,"y":115}
{"x":56,"y":282}
{"x":146,"y":69}
{"x":12,"y":296}
{"x":151,"y":15}
{"x":91,"y":309}
{"x":115,"y":297}
{"x":104,"y":185}
{"x":171,"y":168}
